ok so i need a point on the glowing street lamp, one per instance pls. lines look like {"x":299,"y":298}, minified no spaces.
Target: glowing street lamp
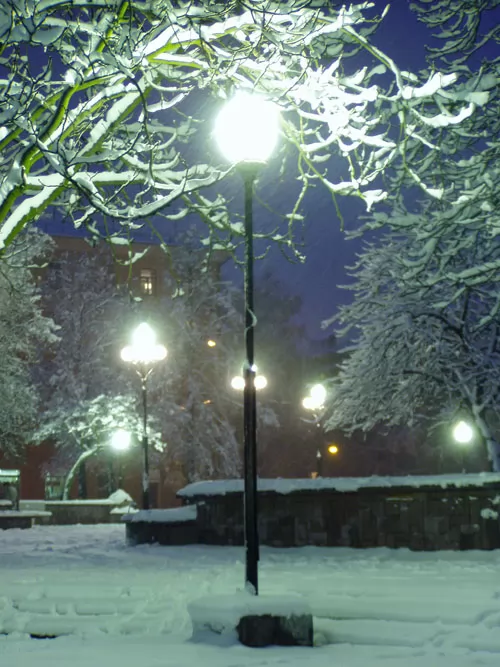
{"x":238,"y":382}
{"x":143,"y":354}
{"x":120,"y":440}
{"x":333,"y":450}
{"x":315,"y":402}
{"x":462,"y":432}
{"x":247,"y":131}
{"x":247,"y":128}
{"x":144,"y":350}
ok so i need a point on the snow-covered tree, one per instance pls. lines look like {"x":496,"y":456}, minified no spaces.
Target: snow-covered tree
{"x":80,"y":292}
{"x":190,"y":392}
{"x":83,"y":370}
{"x":25,"y":335}
{"x":425,"y":303}
{"x":422,"y":352}
{"x":88,"y":429}
{"x":104,"y":107}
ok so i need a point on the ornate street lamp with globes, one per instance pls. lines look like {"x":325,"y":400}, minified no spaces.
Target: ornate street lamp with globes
{"x":247,"y":131}
{"x":238,"y":382}
{"x":143,"y":354}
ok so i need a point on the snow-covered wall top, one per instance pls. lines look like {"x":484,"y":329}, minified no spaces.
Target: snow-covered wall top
{"x":341,"y":484}
{"x":173,"y":515}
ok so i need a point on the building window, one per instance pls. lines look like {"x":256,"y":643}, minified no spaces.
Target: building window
{"x":148,"y":281}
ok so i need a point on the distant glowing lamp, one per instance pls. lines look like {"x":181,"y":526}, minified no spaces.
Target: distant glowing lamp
{"x":144,"y":348}
{"x":318,"y":393}
{"x":120,"y":440}
{"x":238,"y":382}
{"x":143,"y":354}
{"x":309,"y":403}
{"x":462,"y":432}
{"x":260,"y":382}
{"x":316,"y":398}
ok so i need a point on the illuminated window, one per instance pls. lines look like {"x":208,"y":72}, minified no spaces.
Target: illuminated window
{"x":148,"y":281}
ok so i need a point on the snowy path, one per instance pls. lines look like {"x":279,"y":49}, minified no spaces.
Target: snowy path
{"x":371,"y":607}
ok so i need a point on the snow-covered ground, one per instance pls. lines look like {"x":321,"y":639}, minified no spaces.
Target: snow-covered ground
{"x":128,"y":605}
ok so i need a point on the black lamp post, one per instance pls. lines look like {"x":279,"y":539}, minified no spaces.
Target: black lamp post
{"x":143,"y":354}
{"x":319,"y":463}
{"x":247,"y":130}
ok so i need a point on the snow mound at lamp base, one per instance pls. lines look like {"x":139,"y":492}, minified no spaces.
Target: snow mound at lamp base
{"x":255,"y":621}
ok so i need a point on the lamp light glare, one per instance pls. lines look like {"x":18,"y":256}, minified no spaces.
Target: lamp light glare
{"x":260,"y":382}
{"x":120,"y":440}
{"x":462,"y":432}
{"x":127,"y":353}
{"x":309,"y":403}
{"x":144,"y":349}
{"x":238,"y":383}
{"x":247,"y":128}
{"x":318,"y":393}
{"x":143,"y":336}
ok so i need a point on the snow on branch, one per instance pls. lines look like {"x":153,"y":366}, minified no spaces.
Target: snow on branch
{"x":111,"y":93}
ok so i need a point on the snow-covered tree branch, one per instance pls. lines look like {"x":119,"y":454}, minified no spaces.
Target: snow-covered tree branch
{"x":464,"y":168}
{"x":106,"y":106}
{"x":88,"y":427}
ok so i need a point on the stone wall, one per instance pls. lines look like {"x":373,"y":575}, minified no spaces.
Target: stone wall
{"x":430,"y":519}
{"x":66,"y":512}
{"x":171,"y":534}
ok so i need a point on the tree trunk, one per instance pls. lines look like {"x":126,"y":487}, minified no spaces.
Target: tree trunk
{"x":73,"y":470}
{"x":82,"y":481}
{"x":492,"y":446}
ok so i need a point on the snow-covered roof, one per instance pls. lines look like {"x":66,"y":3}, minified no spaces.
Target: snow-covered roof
{"x":174,"y":515}
{"x":340,"y":484}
